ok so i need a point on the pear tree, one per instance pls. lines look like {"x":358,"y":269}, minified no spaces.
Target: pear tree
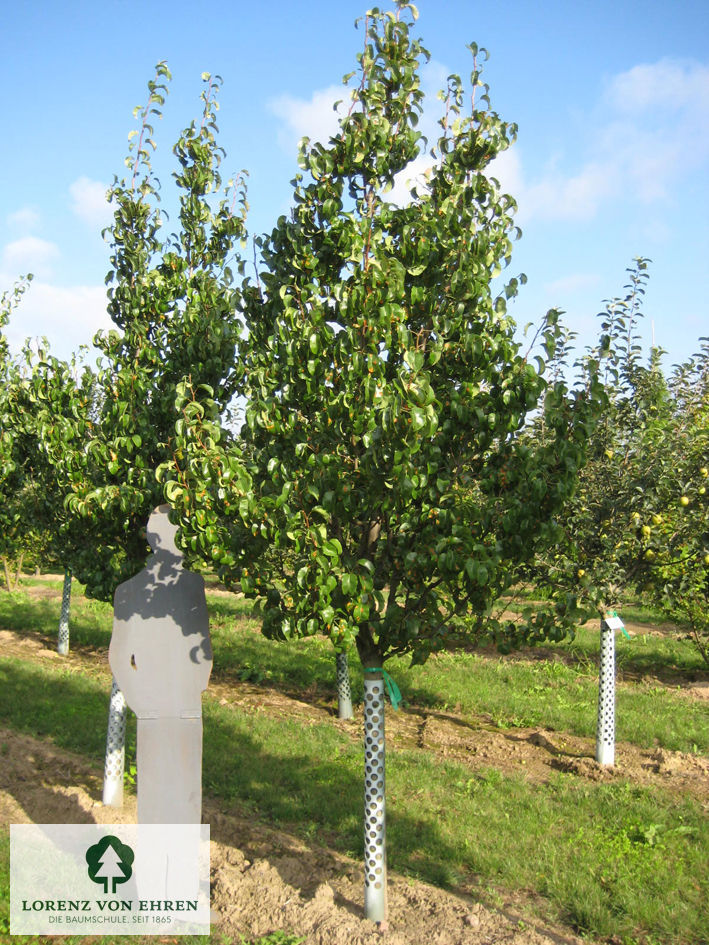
{"x":637,"y":523}
{"x":387,"y":395}
{"x":172,"y":302}
{"x":678,"y":534}
{"x":15,"y":484}
{"x":54,"y":403}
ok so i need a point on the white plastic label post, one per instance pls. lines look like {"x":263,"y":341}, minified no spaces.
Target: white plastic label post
{"x":613,"y":622}
{"x":605,"y":732}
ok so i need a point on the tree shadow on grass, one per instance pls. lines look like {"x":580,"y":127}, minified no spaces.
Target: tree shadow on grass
{"x":311,"y":783}
{"x":47,"y":702}
{"x":54,"y":707}
{"x":269,"y":662}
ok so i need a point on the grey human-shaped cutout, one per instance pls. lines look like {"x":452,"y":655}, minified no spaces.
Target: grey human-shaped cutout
{"x":161,"y":659}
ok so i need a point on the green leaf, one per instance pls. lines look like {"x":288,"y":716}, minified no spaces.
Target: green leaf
{"x":415,"y":360}
{"x":327,"y":614}
{"x":332,"y":548}
{"x":360,"y":612}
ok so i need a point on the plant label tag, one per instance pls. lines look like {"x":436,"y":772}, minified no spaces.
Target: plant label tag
{"x":614,"y":622}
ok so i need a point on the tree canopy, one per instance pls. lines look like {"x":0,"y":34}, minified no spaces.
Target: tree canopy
{"x":172,"y":301}
{"x":386,"y":389}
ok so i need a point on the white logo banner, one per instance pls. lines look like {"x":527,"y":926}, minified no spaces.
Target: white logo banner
{"x":121,"y":879}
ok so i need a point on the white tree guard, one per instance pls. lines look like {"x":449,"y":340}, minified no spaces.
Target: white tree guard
{"x":605,"y":732}
{"x":115,"y":749}
{"x":63,"y":638}
{"x":375,"y":866}
{"x":344,"y":692}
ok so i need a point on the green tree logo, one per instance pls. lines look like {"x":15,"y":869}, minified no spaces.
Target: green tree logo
{"x":110,"y":862}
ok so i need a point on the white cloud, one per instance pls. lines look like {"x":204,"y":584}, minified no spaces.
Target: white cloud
{"x":314,"y":118}
{"x":576,"y":197}
{"x":68,"y":316}
{"x":507,"y":168}
{"x":659,"y":127}
{"x":669,"y":84}
{"x":24,"y":219}
{"x":89,"y":202}
{"x":29,"y":254}
{"x":553,"y":195}
{"x":413,"y":174}
{"x":434,"y":78}
{"x":649,"y":129}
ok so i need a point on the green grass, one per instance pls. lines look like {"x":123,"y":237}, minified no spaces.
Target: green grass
{"x":640,"y":854}
{"x":558,"y":692}
{"x":640,"y":857}
{"x":613,"y":859}
{"x":552,"y":694}
{"x":608,"y":859}
{"x":90,"y":620}
{"x":663,"y":655}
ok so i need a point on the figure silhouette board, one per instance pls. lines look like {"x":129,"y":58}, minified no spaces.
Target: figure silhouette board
{"x":161,"y":658}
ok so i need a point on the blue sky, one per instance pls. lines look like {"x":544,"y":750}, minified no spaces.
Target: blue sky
{"x":612,"y":159}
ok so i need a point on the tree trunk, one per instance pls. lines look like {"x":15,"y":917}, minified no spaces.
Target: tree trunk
{"x":18,"y":572}
{"x":605,"y":732}
{"x":6,"y":569}
{"x":115,"y":749}
{"x":375,"y":866}
{"x":63,"y":641}
{"x":344,"y":692}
